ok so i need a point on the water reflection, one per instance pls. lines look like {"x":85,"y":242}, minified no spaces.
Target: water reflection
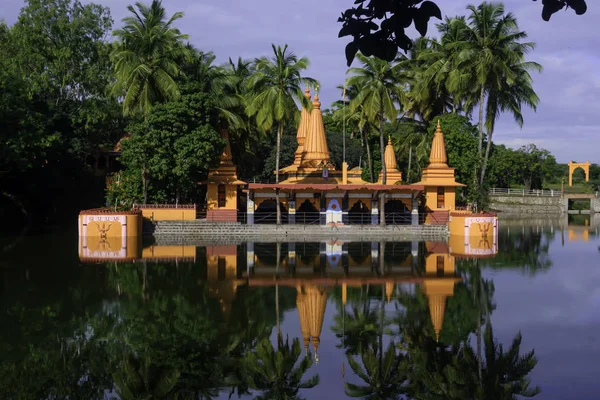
{"x":269,"y":320}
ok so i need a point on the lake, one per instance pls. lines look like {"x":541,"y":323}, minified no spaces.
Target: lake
{"x":310,"y":320}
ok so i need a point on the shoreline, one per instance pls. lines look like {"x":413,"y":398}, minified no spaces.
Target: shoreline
{"x":175,"y":232}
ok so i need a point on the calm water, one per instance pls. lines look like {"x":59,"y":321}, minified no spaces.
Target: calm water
{"x":202,"y":322}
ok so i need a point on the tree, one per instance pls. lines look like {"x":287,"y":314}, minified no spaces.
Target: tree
{"x":54,"y":113}
{"x":493,"y":56}
{"x":273,"y":370}
{"x":381,"y":84}
{"x":145,"y":56}
{"x":145,"y":62}
{"x":275,"y":87}
{"x":378,"y":27}
{"x":175,"y":144}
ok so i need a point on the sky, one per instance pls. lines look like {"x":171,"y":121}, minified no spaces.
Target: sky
{"x":568,"y":47}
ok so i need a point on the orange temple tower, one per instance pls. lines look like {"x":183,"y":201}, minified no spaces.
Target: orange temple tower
{"x":439,"y":181}
{"x":222,"y":187}
{"x":393,"y":176}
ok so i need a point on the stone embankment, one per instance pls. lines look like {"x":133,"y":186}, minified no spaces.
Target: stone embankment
{"x":526,"y":204}
{"x":197,"y":231}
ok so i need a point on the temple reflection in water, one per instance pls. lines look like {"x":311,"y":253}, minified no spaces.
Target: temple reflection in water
{"x":315,"y":269}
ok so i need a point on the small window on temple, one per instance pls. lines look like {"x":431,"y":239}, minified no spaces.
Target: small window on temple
{"x":222,"y":197}
{"x":440,"y":265}
{"x":440,"y":197}
{"x":221,"y":271}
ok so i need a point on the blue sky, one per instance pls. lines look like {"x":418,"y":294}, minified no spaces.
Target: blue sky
{"x":567,"y":46}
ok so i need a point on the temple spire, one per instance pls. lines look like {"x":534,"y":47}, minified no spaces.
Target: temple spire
{"x":437,"y":307}
{"x":302,"y":130}
{"x":389,"y":157}
{"x":438,"y":157}
{"x":315,"y":151}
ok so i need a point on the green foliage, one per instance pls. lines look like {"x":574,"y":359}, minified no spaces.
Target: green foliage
{"x":176,"y":144}
{"x":145,"y":58}
{"x":528,"y":166}
{"x":378,"y":29}
{"x":54,"y":114}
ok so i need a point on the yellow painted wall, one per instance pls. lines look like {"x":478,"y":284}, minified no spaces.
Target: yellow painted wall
{"x":213,"y":267}
{"x":431,"y":264}
{"x":169,"y":252}
{"x":169,"y":214}
{"x":104,"y":248}
{"x":449,"y":198}
{"x":111,"y":229}
{"x":477,"y":229}
{"x":230,"y":197}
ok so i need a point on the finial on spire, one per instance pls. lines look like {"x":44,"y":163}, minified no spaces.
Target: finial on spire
{"x":389,"y":139}
{"x":307,"y":92}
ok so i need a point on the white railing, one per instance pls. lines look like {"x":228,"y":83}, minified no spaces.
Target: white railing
{"x":523,"y":192}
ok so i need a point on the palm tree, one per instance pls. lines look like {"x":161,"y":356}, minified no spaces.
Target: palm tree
{"x":275,"y":87}
{"x":381,"y":93}
{"x":145,"y":62}
{"x":492,"y":53}
{"x":383,"y":372}
{"x":139,"y":378}
{"x":145,"y":56}
{"x":357,"y":121}
{"x":274,"y":371}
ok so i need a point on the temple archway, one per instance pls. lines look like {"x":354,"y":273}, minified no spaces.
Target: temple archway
{"x":359,"y":213}
{"x":307,"y":213}
{"x":396,"y":212}
{"x":266,"y":213}
{"x":584,"y":166}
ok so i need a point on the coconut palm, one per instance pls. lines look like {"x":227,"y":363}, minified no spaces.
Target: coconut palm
{"x":140,"y":378}
{"x":383,"y":371}
{"x":357,"y":121}
{"x":492,"y":54}
{"x":275,"y":87}
{"x":145,"y":62}
{"x":276,"y":372}
{"x":145,"y":58}
{"x":382,"y":85}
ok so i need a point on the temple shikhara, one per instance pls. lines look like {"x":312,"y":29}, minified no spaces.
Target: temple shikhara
{"x":315,"y":191}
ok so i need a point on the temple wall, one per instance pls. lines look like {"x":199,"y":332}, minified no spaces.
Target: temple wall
{"x":449,"y":198}
{"x":169,"y":214}
{"x":105,"y":234}
{"x":445,"y":260}
{"x":169,"y":252}
{"x":213,"y":197}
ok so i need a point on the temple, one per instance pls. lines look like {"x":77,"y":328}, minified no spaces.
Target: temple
{"x":312,"y":190}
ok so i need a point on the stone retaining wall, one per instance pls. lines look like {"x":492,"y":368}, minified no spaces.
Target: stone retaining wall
{"x":526,"y":204}
{"x":196,"y":231}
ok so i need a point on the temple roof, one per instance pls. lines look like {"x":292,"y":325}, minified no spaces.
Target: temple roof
{"x":311,"y":302}
{"x":391,"y":168}
{"x":315,"y":151}
{"x":438,"y":173}
{"x":437,"y":156}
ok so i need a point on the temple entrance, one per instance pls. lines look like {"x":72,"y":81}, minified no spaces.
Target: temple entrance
{"x":266,"y":213}
{"x":397,"y":213}
{"x":307,"y":213}
{"x":584,"y":166}
{"x":359,"y":214}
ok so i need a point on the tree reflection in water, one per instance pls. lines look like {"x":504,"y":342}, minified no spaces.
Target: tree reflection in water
{"x":160,"y":330}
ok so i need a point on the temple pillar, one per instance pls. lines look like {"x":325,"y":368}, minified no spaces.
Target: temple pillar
{"x":322,"y":210}
{"x":249,"y":257}
{"x":292,"y":210}
{"x":345,"y":209}
{"x":250,"y":210}
{"x":414,"y":253}
{"x":292,"y":254}
{"x":375,"y":213}
{"x":414,"y":214}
